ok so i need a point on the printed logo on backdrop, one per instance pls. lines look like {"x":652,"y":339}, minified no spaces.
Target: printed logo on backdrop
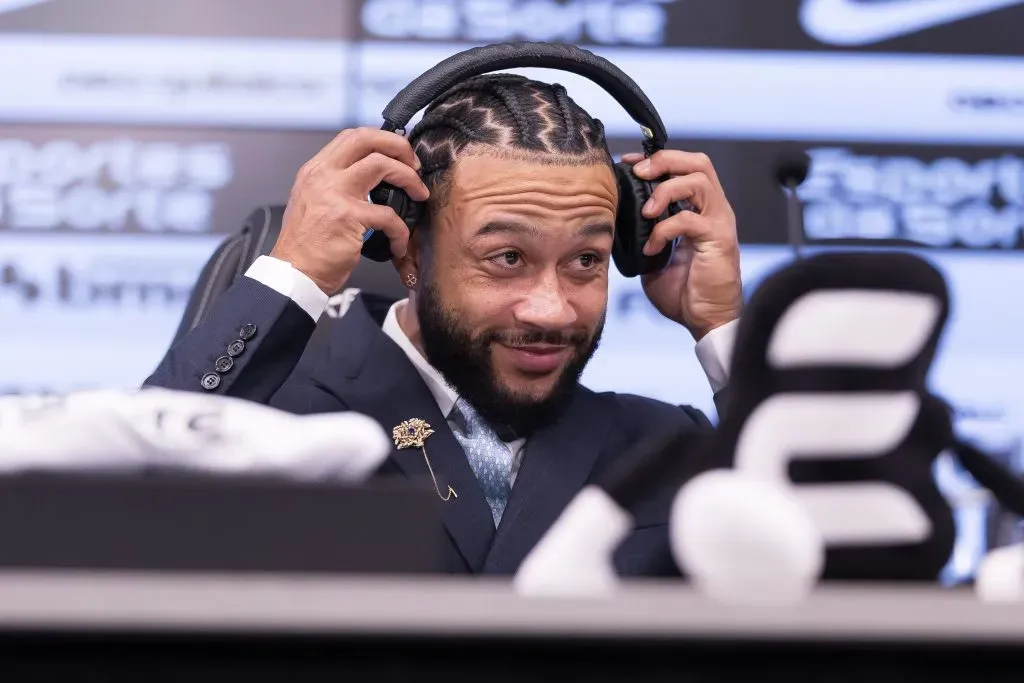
{"x":605,"y":22}
{"x":1008,"y":102}
{"x":114,"y":185}
{"x":113,"y":283}
{"x":12,"y":5}
{"x":946,"y":202}
{"x":864,"y":22}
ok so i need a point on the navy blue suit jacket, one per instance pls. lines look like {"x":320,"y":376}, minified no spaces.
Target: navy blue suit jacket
{"x":355,"y":366}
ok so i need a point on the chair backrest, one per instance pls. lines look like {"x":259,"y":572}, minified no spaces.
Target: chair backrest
{"x":257,"y":237}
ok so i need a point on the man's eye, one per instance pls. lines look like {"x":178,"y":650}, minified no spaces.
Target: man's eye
{"x":507,"y":258}
{"x":588,"y":260}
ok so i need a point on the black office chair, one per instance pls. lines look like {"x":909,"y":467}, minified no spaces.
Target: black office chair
{"x":376,"y":283}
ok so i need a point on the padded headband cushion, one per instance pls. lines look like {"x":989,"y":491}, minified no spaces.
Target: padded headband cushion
{"x":487,"y":59}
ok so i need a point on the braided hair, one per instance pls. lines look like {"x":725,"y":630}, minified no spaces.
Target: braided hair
{"x":510,"y":117}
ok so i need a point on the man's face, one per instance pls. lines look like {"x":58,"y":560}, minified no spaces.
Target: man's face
{"x":516,"y":283}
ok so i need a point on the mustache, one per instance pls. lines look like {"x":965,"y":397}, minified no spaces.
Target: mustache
{"x":531,"y":337}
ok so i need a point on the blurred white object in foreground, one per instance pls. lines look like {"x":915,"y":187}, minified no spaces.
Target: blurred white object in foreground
{"x":744,"y":540}
{"x":119,"y":431}
{"x":574,"y":558}
{"x":1000,"y":575}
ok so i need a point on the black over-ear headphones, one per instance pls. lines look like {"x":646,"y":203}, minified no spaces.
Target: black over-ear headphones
{"x":631,"y":228}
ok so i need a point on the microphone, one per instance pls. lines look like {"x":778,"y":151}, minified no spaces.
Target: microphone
{"x":743,"y":539}
{"x":791,"y":169}
{"x":1001,"y":575}
{"x":666,"y":459}
{"x":1004,"y":486}
{"x":575,"y":556}
{"x":738,"y":538}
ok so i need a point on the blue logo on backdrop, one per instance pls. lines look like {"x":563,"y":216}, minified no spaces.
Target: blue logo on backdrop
{"x":68,"y":286}
{"x":607,"y":22}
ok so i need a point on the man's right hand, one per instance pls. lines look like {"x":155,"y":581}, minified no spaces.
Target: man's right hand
{"x":329,"y":211}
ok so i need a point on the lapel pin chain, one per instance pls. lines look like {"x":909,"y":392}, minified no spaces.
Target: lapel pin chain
{"x":413,"y":434}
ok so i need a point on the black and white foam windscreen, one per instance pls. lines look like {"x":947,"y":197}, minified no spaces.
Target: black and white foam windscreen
{"x":828,"y":398}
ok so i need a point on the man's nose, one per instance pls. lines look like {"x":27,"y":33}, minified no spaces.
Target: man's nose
{"x":545,"y":306}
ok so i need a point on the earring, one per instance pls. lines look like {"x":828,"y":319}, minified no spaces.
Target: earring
{"x":410,"y":280}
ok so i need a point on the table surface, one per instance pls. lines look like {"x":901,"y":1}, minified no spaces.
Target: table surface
{"x":252,"y":604}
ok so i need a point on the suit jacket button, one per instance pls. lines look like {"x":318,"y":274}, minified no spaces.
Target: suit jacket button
{"x":224,"y":363}
{"x":211,"y":381}
{"x":247,"y":332}
{"x":236,"y":347}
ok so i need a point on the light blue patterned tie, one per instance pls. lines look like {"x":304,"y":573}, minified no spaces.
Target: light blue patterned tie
{"x":488,"y":455}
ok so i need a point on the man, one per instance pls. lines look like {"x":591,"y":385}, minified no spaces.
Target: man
{"x":508,"y":289}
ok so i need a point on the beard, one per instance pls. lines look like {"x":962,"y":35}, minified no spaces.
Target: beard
{"x":465,"y":362}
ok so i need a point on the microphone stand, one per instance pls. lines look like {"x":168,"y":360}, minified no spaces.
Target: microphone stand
{"x":794,"y":220}
{"x":791,"y":170}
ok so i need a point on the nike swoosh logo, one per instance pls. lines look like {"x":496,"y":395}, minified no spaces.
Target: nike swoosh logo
{"x":11,"y":5}
{"x":847,"y":22}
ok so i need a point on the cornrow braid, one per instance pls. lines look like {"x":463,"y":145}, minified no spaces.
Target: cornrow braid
{"x":506,"y":115}
{"x":562,"y":97}
{"x":451,"y":123}
{"x":508,"y":98}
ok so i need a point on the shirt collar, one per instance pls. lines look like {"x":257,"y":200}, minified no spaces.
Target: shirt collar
{"x":443,"y":394}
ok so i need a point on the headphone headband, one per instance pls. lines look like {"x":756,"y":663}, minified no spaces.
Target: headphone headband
{"x":489,"y":58}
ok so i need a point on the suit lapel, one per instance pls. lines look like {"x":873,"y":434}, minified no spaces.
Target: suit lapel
{"x":556,"y":464}
{"x":371,"y":375}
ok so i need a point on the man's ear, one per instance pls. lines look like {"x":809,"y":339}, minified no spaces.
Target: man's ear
{"x":408,"y":266}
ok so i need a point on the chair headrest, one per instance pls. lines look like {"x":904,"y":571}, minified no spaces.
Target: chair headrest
{"x":257,"y":237}
{"x":230,"y":261}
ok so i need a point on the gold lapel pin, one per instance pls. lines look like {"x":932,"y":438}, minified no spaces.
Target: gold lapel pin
{"x":413,"y":434}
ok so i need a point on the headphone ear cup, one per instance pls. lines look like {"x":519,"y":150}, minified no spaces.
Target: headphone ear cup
{"x":376,"y":245}
{"x":632,"y":229}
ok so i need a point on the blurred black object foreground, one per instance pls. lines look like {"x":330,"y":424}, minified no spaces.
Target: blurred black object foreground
{"x":827,"y":401}
{"x":169,"y":522}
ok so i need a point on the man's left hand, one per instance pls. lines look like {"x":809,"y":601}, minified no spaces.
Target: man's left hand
{"x":701,"y":287}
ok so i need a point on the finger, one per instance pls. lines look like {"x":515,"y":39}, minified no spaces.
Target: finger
{"x":385,"y":219}
{"x":675,"y":162}
{"x":362,"y":142}
{"x":696,"y":189}
{"x":329,"y":149}
{"x":632,"y":157}
{"x":334,"y":155}
{"x":370,"y":171}
{"x":349,"y":146}
{"x":339,"y":141}
{"x":693,"y":226}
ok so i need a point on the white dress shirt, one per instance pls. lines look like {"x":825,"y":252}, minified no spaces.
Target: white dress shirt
{"x":713,"y":351}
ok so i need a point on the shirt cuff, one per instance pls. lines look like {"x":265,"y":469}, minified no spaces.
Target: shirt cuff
{"x":714,"y":352}
{"x":284,"y":279}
